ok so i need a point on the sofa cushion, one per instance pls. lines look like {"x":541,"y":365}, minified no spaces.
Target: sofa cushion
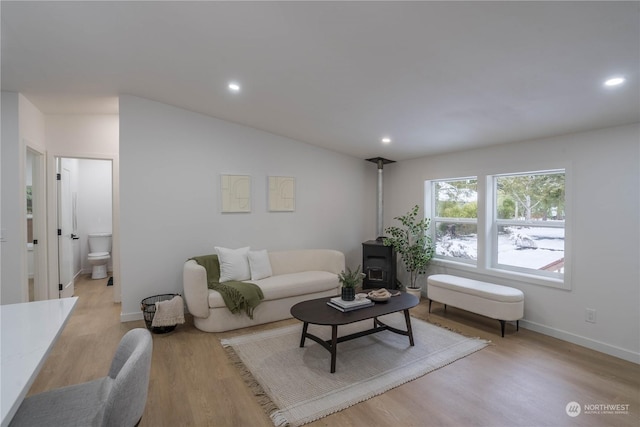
{"x":287,"y":285}
{"x":234,"y":264}
{"x":485,"y":290}
{"x":259,"y":265}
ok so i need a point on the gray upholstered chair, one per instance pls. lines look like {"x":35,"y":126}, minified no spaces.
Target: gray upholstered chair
{"x":116,"y":400}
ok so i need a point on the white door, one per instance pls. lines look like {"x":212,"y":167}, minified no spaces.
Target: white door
{"x":38,"y":264}
{"x":65,"y":230}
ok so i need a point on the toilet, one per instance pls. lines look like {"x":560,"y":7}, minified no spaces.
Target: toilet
{"x":99,"y":248}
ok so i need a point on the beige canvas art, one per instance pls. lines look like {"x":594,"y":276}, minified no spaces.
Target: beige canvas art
{"x":282,"y":193}
{"x":236,"y":193}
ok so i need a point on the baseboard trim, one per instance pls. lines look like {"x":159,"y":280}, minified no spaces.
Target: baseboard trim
{"x":131,"y":317}
{"x":609,"y":349}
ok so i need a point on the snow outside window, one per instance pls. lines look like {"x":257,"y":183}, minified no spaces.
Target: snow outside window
{"x":528,"y":227}
{"x":455,"y":219}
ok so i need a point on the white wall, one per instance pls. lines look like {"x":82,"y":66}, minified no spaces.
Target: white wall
{"x":10,"y":273}
{"x":605,"y":178}
{"x":171,"y":161}
{"x":21,"y":122}
{"x":82,"y":135}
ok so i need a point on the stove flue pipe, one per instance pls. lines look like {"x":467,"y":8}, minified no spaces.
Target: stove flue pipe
{"x":380,"y":200}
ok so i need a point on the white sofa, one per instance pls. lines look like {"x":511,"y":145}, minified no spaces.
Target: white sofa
{"x":297,"y":275}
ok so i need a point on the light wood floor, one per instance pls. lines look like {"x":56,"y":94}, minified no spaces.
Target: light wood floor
{"x":523,"y":379}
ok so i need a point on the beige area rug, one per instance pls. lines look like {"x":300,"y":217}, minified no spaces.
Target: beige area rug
{"x":294,"y":384}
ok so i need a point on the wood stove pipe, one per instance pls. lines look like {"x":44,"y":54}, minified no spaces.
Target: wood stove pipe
{"x":380,"y":200}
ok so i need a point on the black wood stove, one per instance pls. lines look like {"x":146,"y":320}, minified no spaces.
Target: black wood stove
{"x":378,"y":265}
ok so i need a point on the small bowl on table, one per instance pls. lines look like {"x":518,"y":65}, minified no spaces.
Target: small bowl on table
{"x":376,"y":298}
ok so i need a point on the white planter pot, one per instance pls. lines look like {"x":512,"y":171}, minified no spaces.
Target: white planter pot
{"x":416,"y":292}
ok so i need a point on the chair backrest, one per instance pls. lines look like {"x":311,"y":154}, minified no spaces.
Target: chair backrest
{"x":129,"y":371}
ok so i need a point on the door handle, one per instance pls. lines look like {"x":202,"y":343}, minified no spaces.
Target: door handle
{"x":74,"y":236}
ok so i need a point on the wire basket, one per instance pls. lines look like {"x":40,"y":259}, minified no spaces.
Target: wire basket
{"x":148,"y":307}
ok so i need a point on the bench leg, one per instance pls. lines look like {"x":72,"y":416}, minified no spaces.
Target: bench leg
{"x":502,"y":327}
{"x":430,"y":306}
{"x":517,"y":325}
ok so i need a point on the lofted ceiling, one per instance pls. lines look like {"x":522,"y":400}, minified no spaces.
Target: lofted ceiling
{"x":435,"y":77}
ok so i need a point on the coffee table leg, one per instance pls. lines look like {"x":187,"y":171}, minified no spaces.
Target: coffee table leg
{"x":407,"y":319}
{"x":304,"y":333}
{"x":334,"y":345}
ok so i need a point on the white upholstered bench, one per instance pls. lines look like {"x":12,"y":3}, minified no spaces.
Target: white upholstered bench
{"x":488,"y":299}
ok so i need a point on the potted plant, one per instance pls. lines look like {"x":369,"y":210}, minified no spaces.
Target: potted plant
{"x":349,"y":280}
{"x":413,"y":244}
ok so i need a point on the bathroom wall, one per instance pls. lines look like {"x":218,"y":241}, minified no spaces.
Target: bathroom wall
{"x":93,"y":204}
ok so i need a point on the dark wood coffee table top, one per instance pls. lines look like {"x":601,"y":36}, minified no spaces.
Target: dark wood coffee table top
{"x":317,"y":311}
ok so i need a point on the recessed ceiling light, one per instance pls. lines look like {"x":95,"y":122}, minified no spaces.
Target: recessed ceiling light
{"x":386,"y":140}
{"x":234,"y":87}
{"x":614,"y":81}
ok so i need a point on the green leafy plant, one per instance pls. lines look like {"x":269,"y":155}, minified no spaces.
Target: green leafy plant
{"x":412,"y":242}
{"x":350,"y":279}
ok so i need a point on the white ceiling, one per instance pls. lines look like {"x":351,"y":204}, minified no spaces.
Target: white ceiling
{"x":434,"y":76}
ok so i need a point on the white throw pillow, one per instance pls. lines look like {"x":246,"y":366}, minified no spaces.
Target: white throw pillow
{"x":260,"y":265}
{"x":234,"y":264}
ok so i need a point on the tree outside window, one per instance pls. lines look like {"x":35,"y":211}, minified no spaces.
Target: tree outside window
{"x":456,"y":219}
{"x":529,"y":222}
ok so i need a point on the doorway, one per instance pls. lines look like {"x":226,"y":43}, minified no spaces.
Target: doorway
{"x":84,"y":189}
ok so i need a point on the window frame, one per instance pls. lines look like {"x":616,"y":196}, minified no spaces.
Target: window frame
{"x":435,"y":219}
{"x":487,"y":229}
{"x":498,"y":222}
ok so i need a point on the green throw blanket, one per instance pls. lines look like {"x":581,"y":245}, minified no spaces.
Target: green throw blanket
{"x":236,"y":295}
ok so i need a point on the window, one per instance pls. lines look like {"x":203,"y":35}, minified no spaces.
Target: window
{"x":501,"y":225}
{"x":528,"y":225}
{"x":456,"y":219}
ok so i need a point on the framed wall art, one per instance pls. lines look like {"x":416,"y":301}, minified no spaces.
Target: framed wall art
{"x":236,"y":193}
{"x":282,"y":194}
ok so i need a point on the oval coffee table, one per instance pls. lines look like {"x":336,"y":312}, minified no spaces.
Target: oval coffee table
{"x":317,"y":312}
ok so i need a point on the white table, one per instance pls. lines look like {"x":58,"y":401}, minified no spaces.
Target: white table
{"x":29,"y":331}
